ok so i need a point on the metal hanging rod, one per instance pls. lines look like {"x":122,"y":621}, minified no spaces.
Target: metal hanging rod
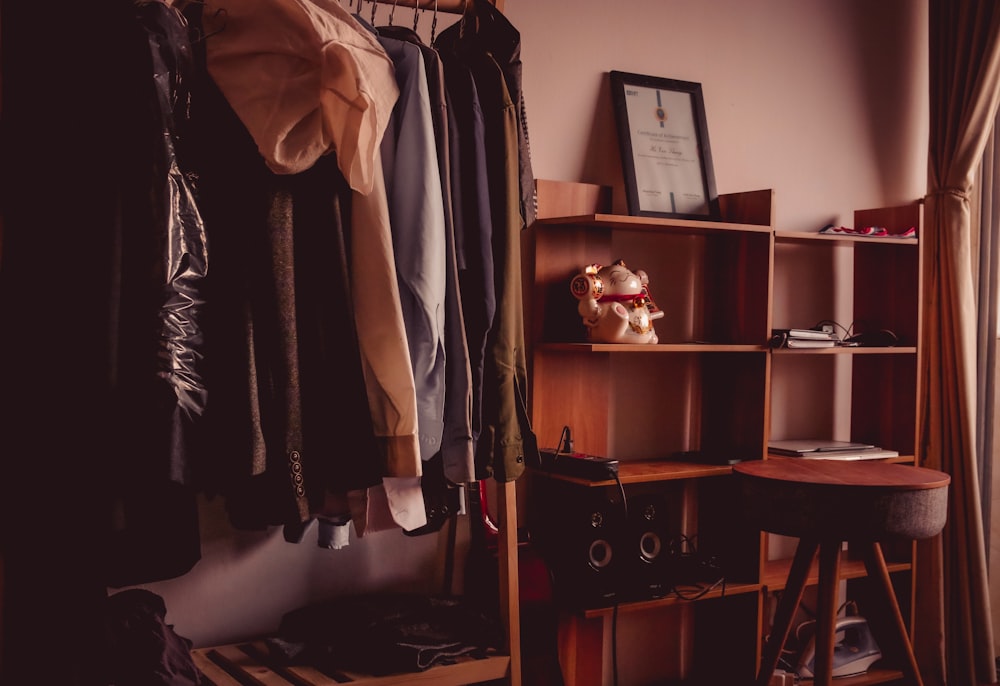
{"x":451,"y":6}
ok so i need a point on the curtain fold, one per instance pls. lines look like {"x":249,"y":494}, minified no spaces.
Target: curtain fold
{"x":953,"y":635}
{"x":986,"y":253}
{"x":989,"y":347}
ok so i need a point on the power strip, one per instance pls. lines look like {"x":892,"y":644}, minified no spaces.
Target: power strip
{"x":579,"y":465}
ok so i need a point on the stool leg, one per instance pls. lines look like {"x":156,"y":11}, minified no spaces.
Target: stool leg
{"x":789,"y":602}
{"x":879,"y":573}
{"x":826,"y":610}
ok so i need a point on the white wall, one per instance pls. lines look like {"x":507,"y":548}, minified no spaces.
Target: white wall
{"x":824,"y":101}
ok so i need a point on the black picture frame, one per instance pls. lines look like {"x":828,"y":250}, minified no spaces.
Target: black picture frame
{"x":665,"y":151}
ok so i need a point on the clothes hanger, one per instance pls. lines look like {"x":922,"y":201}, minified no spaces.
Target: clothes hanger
{"x":221,"y":16}
{"x":434,"y":22}
{"x":198,"y":33}
{"x":416,"y":16}
{"x":465,"y":14}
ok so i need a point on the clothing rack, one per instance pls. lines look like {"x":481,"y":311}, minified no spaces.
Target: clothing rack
{"x":447,"y":6}
{"x":247,"y":662}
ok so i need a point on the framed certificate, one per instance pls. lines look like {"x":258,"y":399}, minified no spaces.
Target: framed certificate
{"x":666,"y":156}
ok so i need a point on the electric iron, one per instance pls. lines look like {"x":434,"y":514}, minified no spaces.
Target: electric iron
{"x":854,"y":649}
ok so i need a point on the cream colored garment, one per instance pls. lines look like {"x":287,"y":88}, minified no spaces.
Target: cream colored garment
{"x":394,"y":504}
{"x":385,"y":360}
{"x":306,"y":79}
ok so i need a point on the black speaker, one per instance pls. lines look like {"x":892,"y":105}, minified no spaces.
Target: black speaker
{"x":647,"y":571}
{"x":581,"y":532}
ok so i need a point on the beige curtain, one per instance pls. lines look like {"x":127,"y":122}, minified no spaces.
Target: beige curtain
{"x":988,"y":346}
{"x":953,"y":636}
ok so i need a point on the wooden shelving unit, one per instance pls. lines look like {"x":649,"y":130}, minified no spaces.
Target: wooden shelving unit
{"x":709,"y":387}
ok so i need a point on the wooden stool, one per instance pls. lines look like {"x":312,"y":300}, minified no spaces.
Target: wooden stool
{"x":826,"y":502}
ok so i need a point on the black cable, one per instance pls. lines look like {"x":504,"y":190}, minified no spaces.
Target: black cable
{"x":614,"y":614}
{"x":846,"y":332}
{"x":621,"y":489}
{"x":702,"y":590}
{"x":877,"y":337}
{"x":565,"y":444}
{"x":678,"y":545}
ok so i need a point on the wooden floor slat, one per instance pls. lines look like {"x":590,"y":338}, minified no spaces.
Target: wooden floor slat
{"x":214,"y":672}
{"x":247,"y":664}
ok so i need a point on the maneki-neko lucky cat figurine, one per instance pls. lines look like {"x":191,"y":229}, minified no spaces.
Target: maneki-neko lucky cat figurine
{"x":615,"y":304}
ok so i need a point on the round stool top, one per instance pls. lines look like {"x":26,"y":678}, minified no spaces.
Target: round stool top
{"x":844,"y":499}
{"x":847,"y":473}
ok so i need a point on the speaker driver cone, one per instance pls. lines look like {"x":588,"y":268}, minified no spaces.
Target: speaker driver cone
{"x":601,"y":553}
{"x":650,"y":546}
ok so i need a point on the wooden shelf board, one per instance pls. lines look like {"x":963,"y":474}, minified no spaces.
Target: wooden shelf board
{"x":643,"y":605}
{"x":654,"y":348}
{"x":652,"y":224}
{"x":804,"y":236}
{"x":776,"y":572}
{"x":666,"y":470}
{"x":647,"y":471}
{"x":847,"y":350}
{"x":873,"y":676}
